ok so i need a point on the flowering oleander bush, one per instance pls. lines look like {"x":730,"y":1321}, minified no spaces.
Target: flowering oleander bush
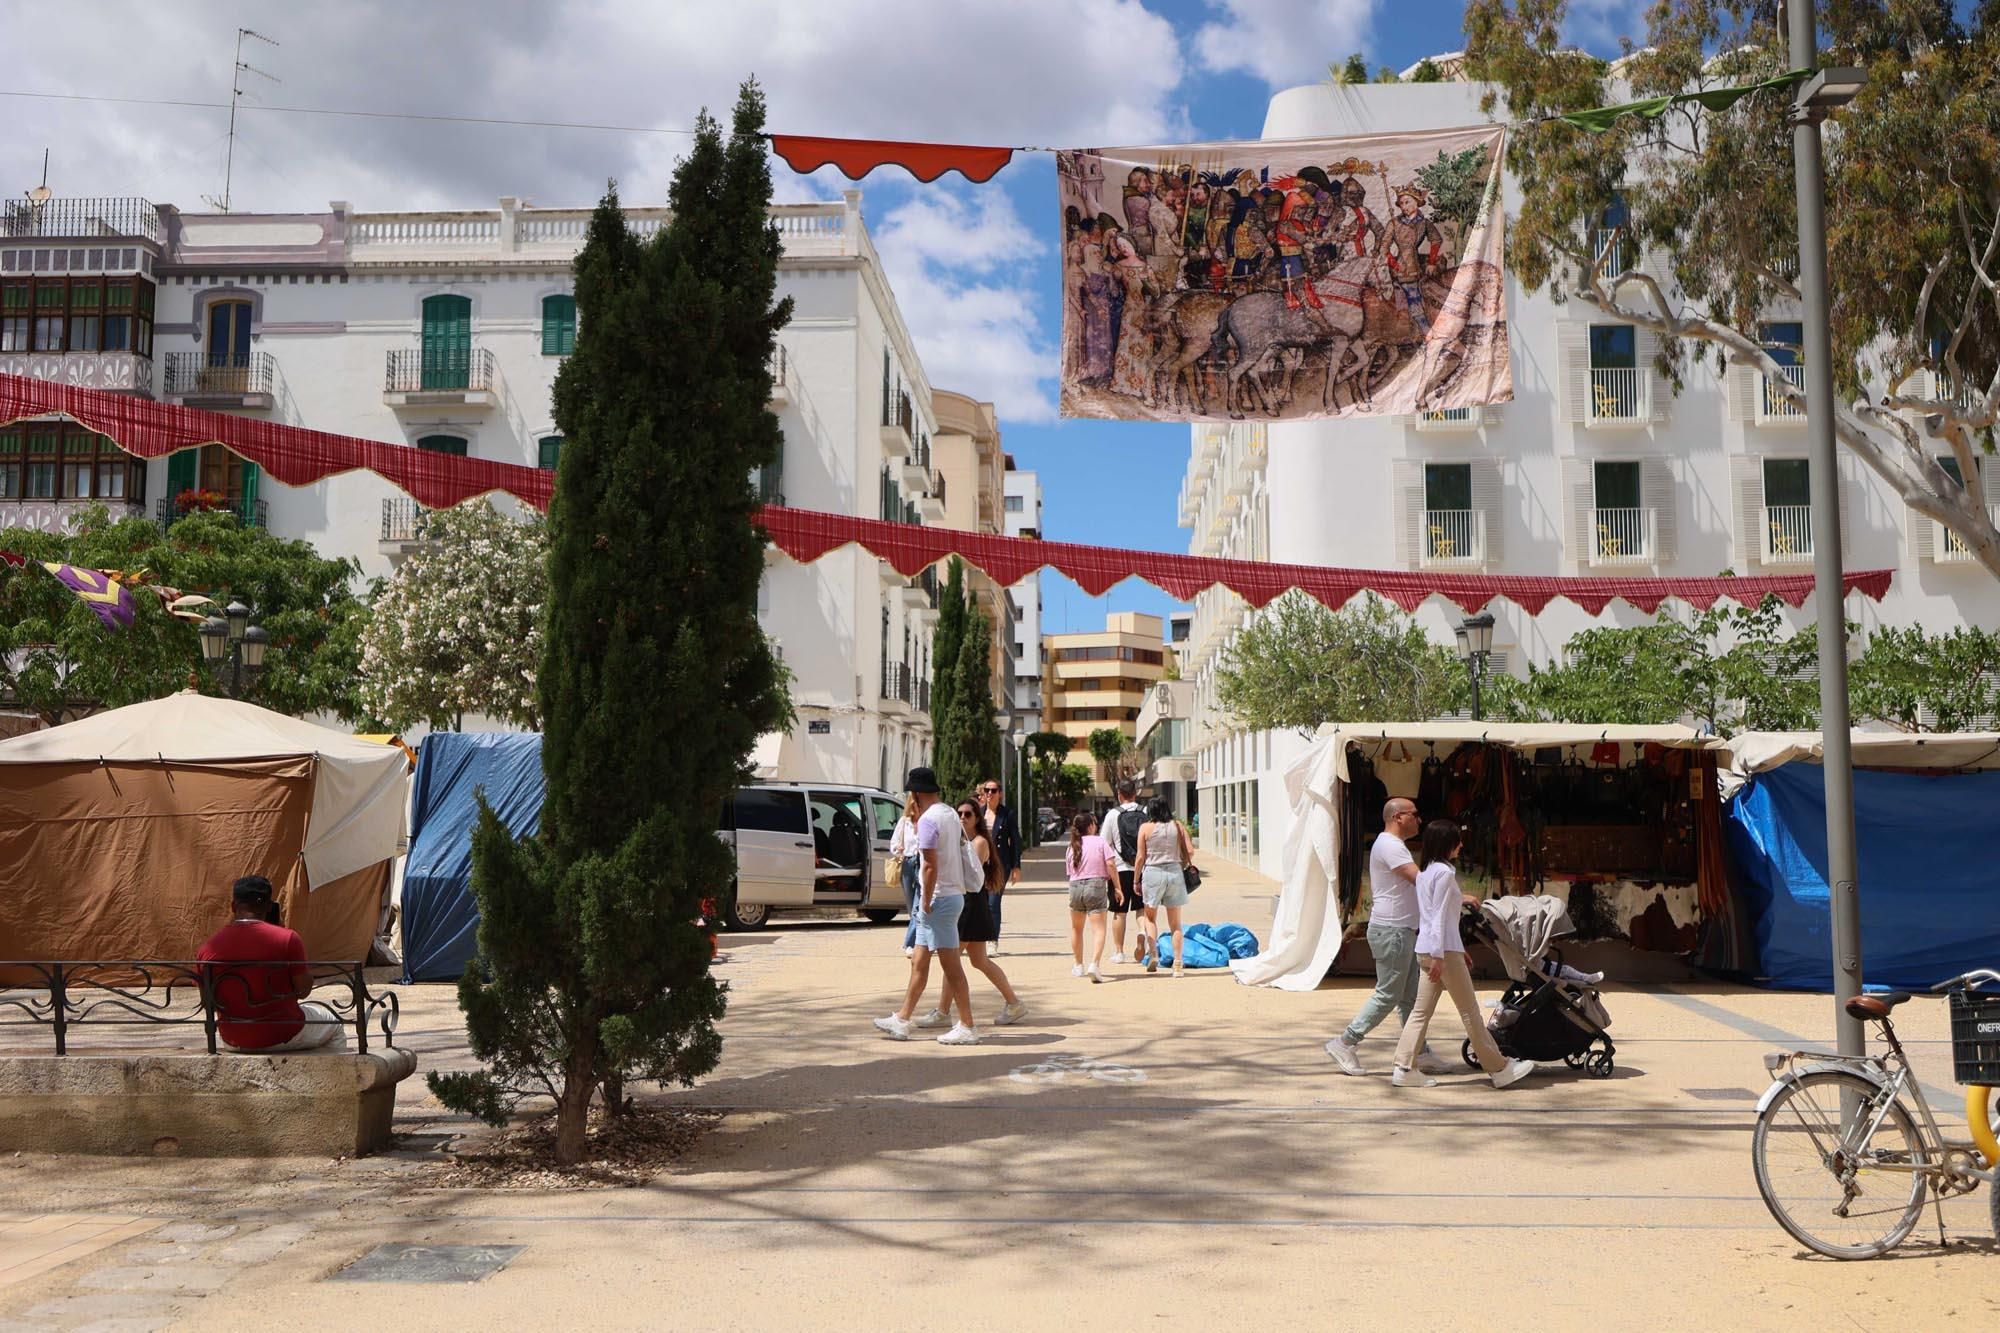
{"x":458,"y":627}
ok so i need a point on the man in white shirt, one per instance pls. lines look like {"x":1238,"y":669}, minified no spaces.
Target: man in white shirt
{"x":1392,"y":936}
{"x":940,"y":900}
{"x":1125,"y":896}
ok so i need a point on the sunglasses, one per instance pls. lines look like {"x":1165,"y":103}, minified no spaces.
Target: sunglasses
{"x":990,"y":791}
{"x":968,"y":814}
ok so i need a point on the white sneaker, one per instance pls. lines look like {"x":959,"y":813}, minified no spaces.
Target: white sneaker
{"x":910,"y":952}
{"x":1119,"y":958}
{"x":960,"y":1035}
{"x":936,"y":1018}
{"x":1592,"y":978}
{"x":1428,"y":1063}
{"x":1096,"y":976}
{"x":894,"y":1028}
{"x":1011,"y":1013}
{"x":1344,"y":1056}
{"x":1515,"y":1071}
{"x":1410,"y":1078}
{"x":1076,"y":971}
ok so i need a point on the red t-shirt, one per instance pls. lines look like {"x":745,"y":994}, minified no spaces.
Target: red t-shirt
{"x":259,"y":1006}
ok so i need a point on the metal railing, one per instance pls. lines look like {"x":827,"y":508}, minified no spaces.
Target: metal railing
{"x":769,"y":484}
{"x":920,"y":452}
{"x":897,"y":681}
{"x":81,"y":218}
{"x":923,"y":699}
{"x":121,"y":992}
{"x":1788,"y":534}
{"x":937,"y":487}
{"x":1447,"y":418}
{"x":1612,"y":246}
{"x":193,"y":374}
{"x":403,"y":520}
{"x":249,"y":513}
{"x":780,"y":369}
{"x":439,"y":370}
{"x":1622,"y":536}
{"x":928,"y":581}
{"x":1452,"y":537}
{"x":898,"y":411}
{"x":1772,"y":405}
{"x":1617,"y":393}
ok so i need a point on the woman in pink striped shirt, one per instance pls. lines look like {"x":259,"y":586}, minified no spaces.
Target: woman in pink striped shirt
{"x":1091,"y":866}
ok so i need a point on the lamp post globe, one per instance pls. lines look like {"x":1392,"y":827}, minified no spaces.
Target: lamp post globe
{"x":214,"y":639}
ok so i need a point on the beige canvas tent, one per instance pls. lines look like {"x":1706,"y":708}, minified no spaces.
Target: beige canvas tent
{"x":121,"y":834}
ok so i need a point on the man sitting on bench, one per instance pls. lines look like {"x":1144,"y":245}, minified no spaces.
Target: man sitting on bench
{"x":259,"y":1008}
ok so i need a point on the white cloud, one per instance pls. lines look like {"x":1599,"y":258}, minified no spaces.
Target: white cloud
{"x":1284,"y":42}
{"x":1596,"y":25}
{"x":963,"y":269}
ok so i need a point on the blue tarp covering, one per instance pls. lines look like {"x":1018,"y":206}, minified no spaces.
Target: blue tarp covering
{"x":1930,"y":896}
{"x":1210,"y":946}
{"x":440,"y":919}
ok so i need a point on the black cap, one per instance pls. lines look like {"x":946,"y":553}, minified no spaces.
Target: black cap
{"x":252,"y":889}
{"x":921,"y":780}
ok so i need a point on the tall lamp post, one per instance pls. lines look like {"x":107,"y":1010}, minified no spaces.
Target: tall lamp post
{"x":1823,"y":92}
{"x":231,"y":638}
{"x":1475,"y":648}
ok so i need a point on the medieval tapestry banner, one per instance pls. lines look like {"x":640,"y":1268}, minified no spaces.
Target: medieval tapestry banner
{"x":1292,"y":280}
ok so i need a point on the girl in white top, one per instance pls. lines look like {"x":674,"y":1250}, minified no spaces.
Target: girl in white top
{"x":903,"y":851}
{"x":1442,"y":967}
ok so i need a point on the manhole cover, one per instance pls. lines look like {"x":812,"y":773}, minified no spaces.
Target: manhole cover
{"x":1722,"y":1094}
{"x":428,"y":1263}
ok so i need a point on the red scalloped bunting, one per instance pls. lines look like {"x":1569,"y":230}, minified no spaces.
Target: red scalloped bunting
{"x":857,"y":157}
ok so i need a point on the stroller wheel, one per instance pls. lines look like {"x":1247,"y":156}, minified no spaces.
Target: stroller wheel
{"x":1577,"y":1059}
{"x":1465,"y":1054}
{"x":1600,"y":1064}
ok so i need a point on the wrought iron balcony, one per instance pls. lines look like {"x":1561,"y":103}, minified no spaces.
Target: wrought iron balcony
{"x":1448,"y":419}
{"x":249,"y":513}
{"x":1787,"y":538}
{"x":1773,"y":408}
{"x":1617,"y":396}
{"x":81,"y":219}
{"x":1450,"y":538}
{"x":424,"y":377}
{"x":898,"y":682}
{"x":1623,"y":537}
{"x":403,"y":521}
{"x":228,"y":381}
{"x":899,"y":417}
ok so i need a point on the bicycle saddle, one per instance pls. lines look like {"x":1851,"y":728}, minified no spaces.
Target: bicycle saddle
{"x":1875,"y":1006}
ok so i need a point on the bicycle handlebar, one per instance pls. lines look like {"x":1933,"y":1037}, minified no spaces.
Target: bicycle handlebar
{"x":1978,"y":976}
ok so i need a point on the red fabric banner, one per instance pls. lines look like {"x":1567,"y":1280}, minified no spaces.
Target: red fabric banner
{"x":290,"y":454}
{"x":857,"y":157}
{"x":807,"y":535}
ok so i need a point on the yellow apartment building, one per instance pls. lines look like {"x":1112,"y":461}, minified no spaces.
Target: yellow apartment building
{"x":1100,"y":679}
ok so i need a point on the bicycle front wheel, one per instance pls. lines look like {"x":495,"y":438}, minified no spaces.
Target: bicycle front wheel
{"x":1846,"y":1194}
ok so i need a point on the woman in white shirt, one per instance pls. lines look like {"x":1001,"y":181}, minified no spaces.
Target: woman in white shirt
{"x":903,"y":851}
{"x":1442,"y":967}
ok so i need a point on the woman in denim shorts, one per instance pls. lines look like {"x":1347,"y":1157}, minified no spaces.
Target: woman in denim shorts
{"x":1164,"y":856}
{"x":1091,"y":865}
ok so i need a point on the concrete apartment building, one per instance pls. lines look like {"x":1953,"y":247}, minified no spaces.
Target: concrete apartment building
{"x":1101,"y":679}
{"x":1594,"y":469}
{"x":1021,"y":516}
{"x":970,"y":467}
{"x":443,"y":331}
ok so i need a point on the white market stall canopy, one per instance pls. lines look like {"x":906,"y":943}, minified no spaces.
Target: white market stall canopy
{"x":1761,"y":751}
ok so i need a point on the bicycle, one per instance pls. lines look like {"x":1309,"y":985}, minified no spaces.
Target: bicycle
{"x":1835,"y":1141}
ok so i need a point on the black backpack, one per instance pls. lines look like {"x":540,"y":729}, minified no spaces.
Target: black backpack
{"x":1128,"y":833}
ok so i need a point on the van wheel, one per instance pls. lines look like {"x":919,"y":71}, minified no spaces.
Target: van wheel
{"x":745,"y":916}
{"x":879,"y":916}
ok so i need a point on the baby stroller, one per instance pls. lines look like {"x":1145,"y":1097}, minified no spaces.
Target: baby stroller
{"x":1550,"y":1011}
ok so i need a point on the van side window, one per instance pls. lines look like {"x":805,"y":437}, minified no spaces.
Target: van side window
{"x":771,"y":811}
{"x":887,"y":813}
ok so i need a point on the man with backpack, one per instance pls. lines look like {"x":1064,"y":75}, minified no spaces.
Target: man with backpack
{"x":1121,"y":828}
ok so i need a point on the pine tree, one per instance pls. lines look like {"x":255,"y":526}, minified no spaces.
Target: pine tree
{"x":968,"y":743}
{"x":655,"y":680}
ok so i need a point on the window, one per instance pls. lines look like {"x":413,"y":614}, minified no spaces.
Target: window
{"x":229,"y":334}
{"x":1612,"y":347}
{"x":1017,"y":504}
{"x":772,"y":811}
{"x":1787,"y":481}
{"x":1783,"y":341}
{"x":443,"y":444}
{"x":447,"y":342}
{"x":1448,"y":486}
{"x":85,"y":300}
{"x":16,"y":297}
{"x":887,"y":813}
{"x":55,"y":460}
{"x":558,"y":325}
{"x":548,"y":452}
{"x":1616,"y":485}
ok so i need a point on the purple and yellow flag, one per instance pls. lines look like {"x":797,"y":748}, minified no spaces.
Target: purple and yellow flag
{"x":98,"y":591}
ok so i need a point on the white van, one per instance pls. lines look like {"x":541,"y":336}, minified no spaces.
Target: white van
{"x":803,"y":845}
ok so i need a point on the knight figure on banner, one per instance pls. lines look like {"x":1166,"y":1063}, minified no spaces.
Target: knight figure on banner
{"x":1292,"y":280}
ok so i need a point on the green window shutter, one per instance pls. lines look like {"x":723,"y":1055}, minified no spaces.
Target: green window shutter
{"x":558,"y":325}
{"x":443,"y":444}
{"x":551,"y":452}
{"x":183,"y":473}
{"x":247,"y":510}
{"x":447,"y":342}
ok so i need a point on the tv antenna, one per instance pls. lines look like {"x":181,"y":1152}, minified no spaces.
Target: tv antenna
{"x":40,"y":194}
{"x":235,"y":96}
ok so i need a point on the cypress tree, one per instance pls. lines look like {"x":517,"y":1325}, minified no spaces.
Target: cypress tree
{"x":944,"y":656}
{"x":968,"y":740}
{"x":656,"y":679}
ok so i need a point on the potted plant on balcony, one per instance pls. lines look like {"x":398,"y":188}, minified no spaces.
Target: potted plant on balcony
{"x":194,"y":500}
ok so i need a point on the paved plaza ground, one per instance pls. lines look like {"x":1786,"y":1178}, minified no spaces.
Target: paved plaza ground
{"x":1142,"y":1151}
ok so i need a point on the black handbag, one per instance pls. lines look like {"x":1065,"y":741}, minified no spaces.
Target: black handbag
{"x":1191,"y":876}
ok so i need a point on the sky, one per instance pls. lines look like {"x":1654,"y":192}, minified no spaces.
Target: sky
{"x":974,"y":268}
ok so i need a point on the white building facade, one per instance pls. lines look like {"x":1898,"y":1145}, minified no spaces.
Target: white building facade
{"x":1022,"y":517}
{"x":444,"y":331}
{"x":1596,"y":468}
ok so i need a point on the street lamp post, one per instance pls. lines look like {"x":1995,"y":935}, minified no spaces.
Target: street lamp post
{"x":1824,"y":91}
{"x":232,"y":638}
{"x":1475,"y":648}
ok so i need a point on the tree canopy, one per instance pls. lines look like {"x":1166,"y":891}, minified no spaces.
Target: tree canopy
{"x":1703,"y":203}
{"x":1298,"y":665}
{"x":457,"y":628}
{"x":59,"y":661}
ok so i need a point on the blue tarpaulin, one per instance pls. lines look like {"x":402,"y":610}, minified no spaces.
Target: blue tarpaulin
{"x":440,"y":919}
{"x":1930,"y":897}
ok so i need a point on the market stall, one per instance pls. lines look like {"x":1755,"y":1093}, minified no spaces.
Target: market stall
{"x":1924,"y":807}
{"x":1620,"y":822}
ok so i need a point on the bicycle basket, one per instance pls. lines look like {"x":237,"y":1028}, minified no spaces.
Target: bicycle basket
{"x":1975,"y":1038}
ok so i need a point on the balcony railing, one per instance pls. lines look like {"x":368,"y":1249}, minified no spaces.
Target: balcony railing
{"x":1946,"y":546}
{"x":899,"y":421}
{"x":897,"y":681}
{"x":1612,"y":246}
{"x":439,"y":370}
{"x":781,"y":382}
{"x":201,"y":375}
{"x":937,"y":487}
{"x":1622,"y":536}
{"x":923,"y":699}
{"x":249,"y":513}
{"x":769,"y":485}
{"x":928,"y":581}
{"x":1448,"y":537}
{"x":1772,"y":405}
{"x":403,"y":520}
{"x":920,"y":451}
{"x":1788,"y":534}
{"x":1448,"y":418}
{"x":81,"y":219}
{"x":1617,"y":393}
